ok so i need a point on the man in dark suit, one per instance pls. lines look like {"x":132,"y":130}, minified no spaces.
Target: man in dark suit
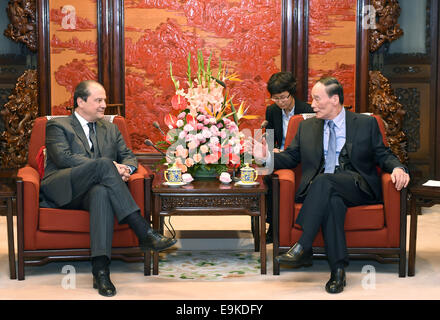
{"x":282,"y":89}
{"x":88,"y":164}
{"x":339,"y":151}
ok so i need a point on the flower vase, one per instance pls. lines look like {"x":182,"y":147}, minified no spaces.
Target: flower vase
{"x":204,"y":173}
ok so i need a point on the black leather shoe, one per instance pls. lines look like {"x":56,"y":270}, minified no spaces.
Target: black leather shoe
{"x":297,"y":257}
{"x":155,"y":241}
{"x":337,"y":281}
{"x":102,"y":282}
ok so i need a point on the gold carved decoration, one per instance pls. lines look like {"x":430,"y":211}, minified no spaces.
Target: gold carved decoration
{"x":23,"y":27}
{"x":383,"y":102}
{"x":19,"y":114}
{"x":387,"y":28}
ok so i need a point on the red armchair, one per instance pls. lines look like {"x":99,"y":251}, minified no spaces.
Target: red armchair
{"x":372,"y":231}
{"x":47,"y":234}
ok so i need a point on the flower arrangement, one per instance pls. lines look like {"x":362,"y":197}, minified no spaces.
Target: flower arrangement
{"x":203,"y":126}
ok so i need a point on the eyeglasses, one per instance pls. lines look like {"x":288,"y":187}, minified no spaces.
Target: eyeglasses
{"x":280,"y":98}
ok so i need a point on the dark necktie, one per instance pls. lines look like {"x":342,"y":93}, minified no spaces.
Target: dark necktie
{"x":330,"y":162}
{"x":92,"y":136}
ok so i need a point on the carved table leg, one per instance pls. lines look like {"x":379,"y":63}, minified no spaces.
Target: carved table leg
{"x":412,"y":238}
{"x":11,"y":239}
{"x":262,"y":248}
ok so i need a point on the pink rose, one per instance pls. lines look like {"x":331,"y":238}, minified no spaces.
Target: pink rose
{"x":187,"y":178}
{"x":225,"y":177}
{"x":181,"y":115}
{"x":204,"y":148}
{"x":189,"y":162}
{"x":197,"y":157}
{"x":211,"y":158}
{"x":179,"y":123}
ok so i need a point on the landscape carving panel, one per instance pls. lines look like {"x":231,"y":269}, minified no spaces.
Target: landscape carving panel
{"x":246,"y":35}
{"x":332,"y":44}
{"x":73,"y":49}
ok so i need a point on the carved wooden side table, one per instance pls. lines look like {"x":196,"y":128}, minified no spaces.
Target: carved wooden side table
{"x":7,"y":201}
{"x":211,"y":198}
{"x":421,"y":196}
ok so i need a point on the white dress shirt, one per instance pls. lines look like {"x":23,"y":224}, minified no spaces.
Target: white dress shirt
{"x":85,"y":127}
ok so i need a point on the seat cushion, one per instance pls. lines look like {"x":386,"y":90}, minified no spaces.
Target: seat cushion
{"x":368,"y":217}
{"x":67,"y":220}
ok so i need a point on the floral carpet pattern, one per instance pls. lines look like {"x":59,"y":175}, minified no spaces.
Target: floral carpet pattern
{"x":208,"y":265}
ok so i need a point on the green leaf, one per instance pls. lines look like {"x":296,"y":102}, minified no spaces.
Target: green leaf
{"x":188,"y":72}
{"x":208,"y":69}
{"x":235,"y":112}
{"x":201,"y":68}
{"x":176,"y":85}
{"x":219,"y":73}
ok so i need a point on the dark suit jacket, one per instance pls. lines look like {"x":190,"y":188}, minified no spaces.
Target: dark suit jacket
{"x":275,"y":118}
{"x":68,"y":147}
{"x":363,"y":150}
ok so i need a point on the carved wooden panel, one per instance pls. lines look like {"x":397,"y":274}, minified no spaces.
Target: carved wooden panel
{"x":410,"y":100}
{"x":418,"y":125}
{"x":18,"y":114}
{"x":73,"y":49}
{"x":252,"y":203}
{"x":245,"y":34}
{"x":22,"y":27}
{"x":387,"y":29}
{"x":332,"y":43}
{"x":384,"y":103}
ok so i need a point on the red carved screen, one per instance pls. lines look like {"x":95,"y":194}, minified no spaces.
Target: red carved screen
{"x":245,"y":34}
{"x":73,"y":49}
{"x":332,"y":43}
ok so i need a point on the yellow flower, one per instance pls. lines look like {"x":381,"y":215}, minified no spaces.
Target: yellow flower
{"x":241,"y":113}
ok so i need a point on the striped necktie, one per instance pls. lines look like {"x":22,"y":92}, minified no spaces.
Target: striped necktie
{"x":92,"y":137}
{"x":330,"y":162}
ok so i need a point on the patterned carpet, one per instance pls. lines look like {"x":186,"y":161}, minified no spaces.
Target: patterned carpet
{"x":212,"y":265}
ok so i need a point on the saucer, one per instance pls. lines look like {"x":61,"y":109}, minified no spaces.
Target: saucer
{"x":250,"y":184}
{"x":174,"y":184}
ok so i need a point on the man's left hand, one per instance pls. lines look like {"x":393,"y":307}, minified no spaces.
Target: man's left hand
{"x":123,"y":170}
{"x":400,"y":178}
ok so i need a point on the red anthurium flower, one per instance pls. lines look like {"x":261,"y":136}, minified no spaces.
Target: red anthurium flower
{"x":178,"y":102}
{"x":192,"y":121}
{"x":170,"y":121}
{"x":242,"y":146}
{"x":234,"y":158}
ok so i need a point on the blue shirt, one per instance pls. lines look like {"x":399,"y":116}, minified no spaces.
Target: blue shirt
{"x":340,"y":130}
{"x":286,"y":119}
